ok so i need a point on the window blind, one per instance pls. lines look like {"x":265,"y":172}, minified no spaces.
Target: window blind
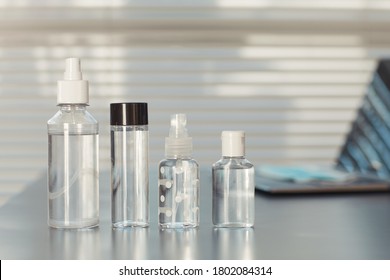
{"x":289,"y":73}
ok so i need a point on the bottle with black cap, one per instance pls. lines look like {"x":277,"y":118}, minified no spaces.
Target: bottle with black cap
{"x":129,"y":165}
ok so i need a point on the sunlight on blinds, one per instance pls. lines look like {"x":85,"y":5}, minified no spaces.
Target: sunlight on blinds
{"x":289,"y":73}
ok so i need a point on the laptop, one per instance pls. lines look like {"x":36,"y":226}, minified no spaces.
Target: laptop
{"x":364,"y":161}
{"x":315,"y":179}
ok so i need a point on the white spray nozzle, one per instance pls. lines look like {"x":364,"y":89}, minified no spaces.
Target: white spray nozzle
{"x":178,"y":143}
{"x":72,"y":69}
{"x":72,"y":89}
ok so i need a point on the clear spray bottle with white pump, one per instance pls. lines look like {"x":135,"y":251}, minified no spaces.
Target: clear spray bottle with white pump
{"x":233,"y":184}
{"x":178,"y":179}
{"x":73,"y":166}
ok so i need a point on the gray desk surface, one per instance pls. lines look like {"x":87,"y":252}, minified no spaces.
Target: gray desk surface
{"x":339,"y":226}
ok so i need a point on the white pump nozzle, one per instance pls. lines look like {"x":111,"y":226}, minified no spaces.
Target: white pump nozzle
{"x":73,"y":89}
{"x":178,"y":143}
{"x":72,"y":69}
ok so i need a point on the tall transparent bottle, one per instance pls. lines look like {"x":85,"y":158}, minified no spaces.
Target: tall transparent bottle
{"x":178,"y":179}
{"x":233,"y":184}
{"x":73,"y":159}
{"x":129,"y":165}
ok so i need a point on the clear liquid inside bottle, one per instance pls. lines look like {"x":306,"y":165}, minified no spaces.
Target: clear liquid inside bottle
{"x":129,"y":176}
{"x":73,"y":169}
{"x":73,"y":178}
{"x":233,"y":193}
{"x":178,"y":193}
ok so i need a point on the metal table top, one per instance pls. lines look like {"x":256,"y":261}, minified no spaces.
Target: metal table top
{"x":323,"y":226}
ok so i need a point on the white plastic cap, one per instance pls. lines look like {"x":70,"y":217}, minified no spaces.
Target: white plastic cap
{"x":73,"y":89}
{"x":233,"y":143}
{"x":178,"y":143}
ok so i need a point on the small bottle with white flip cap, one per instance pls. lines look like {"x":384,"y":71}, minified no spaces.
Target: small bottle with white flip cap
{"x":178,"y":179}
{"x":73,"y":163}
{"x":233,"y":184}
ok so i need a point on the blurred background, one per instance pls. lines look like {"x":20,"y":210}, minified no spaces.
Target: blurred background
{"x":290,"y":73}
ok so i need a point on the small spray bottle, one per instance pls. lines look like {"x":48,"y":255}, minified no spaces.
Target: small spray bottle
{"x":178,"y":179}
{"x":73,"y":166}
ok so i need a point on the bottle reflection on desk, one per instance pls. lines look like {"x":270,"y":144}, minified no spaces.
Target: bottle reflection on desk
{"x":75,"y":244}
{"x":179,"y":244}
{"x":130,"y":243}
{"x":233,"y":243}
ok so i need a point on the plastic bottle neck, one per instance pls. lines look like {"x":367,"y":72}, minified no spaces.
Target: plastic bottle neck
{"x":233,"y":157}
{"x":72,"y":107}
{"x":177,"y":157}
